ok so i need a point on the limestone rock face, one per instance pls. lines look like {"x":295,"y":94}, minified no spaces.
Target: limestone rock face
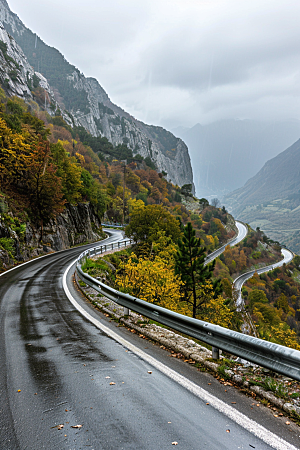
{"x":15,"y":71}
{"x":76,"y":225}
{"x":85,"y":103}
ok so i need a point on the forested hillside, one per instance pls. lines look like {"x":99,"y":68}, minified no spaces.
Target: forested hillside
{"x":47,"y":165}
{"x":273,"y":300}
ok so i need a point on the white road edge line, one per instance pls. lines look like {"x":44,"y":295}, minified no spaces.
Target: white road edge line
{"x":250,"y":425}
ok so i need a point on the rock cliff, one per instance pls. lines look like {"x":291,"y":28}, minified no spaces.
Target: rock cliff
{"x":76,"y":225}
{"x":15,"y":71}
{"x":83,"y":102}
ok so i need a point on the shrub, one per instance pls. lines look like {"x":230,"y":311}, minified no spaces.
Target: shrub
{"x":8,"y":245}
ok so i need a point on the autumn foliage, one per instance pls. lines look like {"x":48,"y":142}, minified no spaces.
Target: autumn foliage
{"x":273,"y":300}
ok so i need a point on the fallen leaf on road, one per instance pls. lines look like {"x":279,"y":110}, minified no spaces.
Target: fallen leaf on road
{"x":257,"y":404}
{"x":233,"y":403}
{"x":19,"y":390}
{"x":112,"y":383}
{"x":207,"y":403}
{"x":208,"y":383}
{"x":66,"y":410}
{"x":149,"y":371}
{"x":60,"y":427}
{"x":174,"y":443}
{"x":227,"y":431}
{"x":76,"y":426}
{"x":287,"y":423}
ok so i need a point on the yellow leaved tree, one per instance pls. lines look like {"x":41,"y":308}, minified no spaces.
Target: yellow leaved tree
{"x":214,"y":310}
{"x":152,"y":280}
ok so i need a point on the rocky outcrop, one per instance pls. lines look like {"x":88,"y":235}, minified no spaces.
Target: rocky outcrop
{"x":15,"y":71}
{"x":76,"y":225}
{"x":16,"y":74}
{"x":170,"y":154}
{"x":83,"y":102}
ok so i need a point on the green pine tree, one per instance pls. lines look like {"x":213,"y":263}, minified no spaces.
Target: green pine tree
{"x":190,"y":265}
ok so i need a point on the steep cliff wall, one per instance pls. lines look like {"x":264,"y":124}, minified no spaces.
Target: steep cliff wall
{"x":89,"y":105}
{"x":15,"y":71}
{"x":76,"y":225}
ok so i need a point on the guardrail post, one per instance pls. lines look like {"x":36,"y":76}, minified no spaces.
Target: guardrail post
{"x":126,"y":311}
{"x":118,"y":244}
{"x":105,"y":247}
{"x":215,"y":353}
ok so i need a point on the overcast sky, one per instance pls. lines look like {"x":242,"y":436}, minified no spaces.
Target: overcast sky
{"x":180,"y":62}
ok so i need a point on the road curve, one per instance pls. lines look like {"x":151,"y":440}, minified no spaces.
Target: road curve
{"x":242,"y":233}
{"x":239,"y":281}
{"x":57,"y":368}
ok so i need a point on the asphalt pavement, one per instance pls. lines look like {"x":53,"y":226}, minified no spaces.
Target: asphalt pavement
{"x":67,"y":383}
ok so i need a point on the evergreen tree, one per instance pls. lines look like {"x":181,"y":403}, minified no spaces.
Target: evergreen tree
{"x":190,"y":265}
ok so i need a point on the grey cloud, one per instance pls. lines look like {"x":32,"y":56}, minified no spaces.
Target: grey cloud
{"x":180,"y":61}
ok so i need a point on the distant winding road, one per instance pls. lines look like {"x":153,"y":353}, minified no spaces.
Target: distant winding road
{"x":67,"y":383}
{"x":242,"y":233}
{"x":239,"y":281}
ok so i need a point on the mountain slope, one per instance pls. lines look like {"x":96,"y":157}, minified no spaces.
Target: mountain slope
{"x":89,"y":105}
{"x":271,"y":199}
{"x":226,"y":153}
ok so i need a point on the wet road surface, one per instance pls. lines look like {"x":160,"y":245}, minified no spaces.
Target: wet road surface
{"x":57,"y":369}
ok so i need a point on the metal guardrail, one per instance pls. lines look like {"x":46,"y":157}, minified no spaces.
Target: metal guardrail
{"x":103,"y":248}
{"x":113,"y":225}
{"x":267,"y":354}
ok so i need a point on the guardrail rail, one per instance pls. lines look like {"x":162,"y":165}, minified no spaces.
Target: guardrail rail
{"x":275,"y":357}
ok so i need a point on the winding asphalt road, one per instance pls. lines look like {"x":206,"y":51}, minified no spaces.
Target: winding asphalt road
{"x":242,"y":233}
{"x":58,"y":370}
{"x":239,"y":281}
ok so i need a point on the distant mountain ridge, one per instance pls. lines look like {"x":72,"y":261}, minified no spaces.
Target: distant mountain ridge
{"x":226,"y":153}
{"x":271,"y":199}
{"x":279,"y":178}
{"x":83,"y":102}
